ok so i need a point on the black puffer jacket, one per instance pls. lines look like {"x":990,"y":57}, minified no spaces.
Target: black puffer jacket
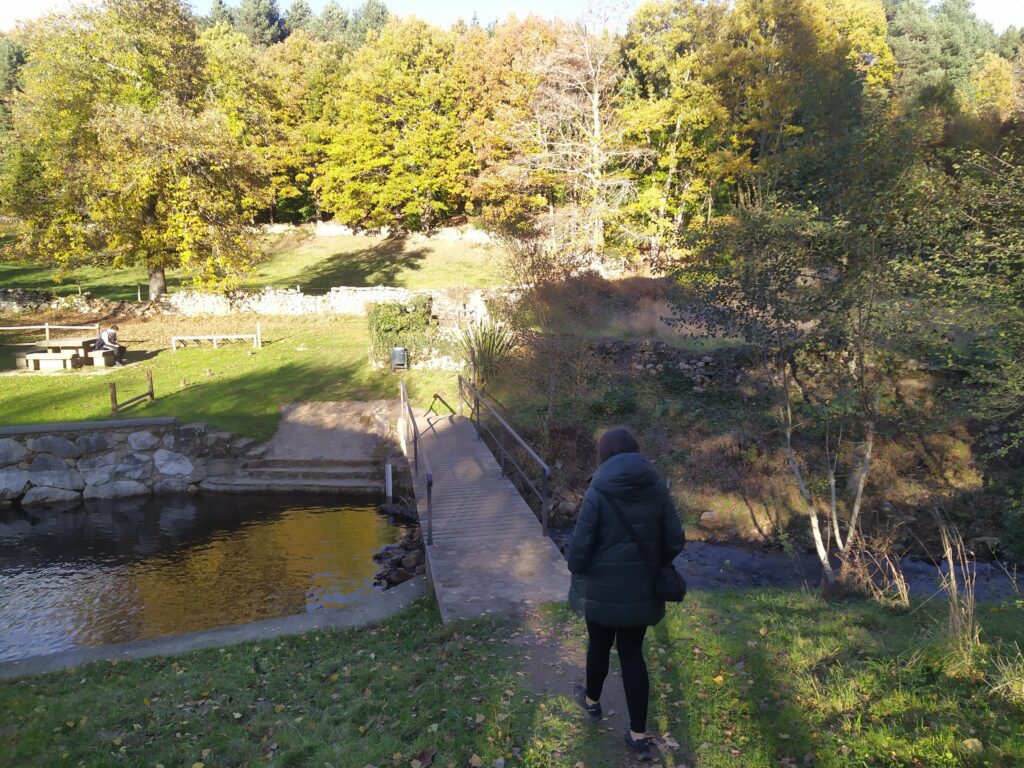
{"x":619,"y":577}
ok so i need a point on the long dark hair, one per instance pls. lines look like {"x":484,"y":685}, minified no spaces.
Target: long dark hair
{"x":614,"y":442}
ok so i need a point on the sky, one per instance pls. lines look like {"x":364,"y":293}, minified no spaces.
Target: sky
{"x":1002,"y":13}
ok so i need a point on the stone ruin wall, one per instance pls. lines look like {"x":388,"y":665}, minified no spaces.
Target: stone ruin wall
{"x":56,"y":464}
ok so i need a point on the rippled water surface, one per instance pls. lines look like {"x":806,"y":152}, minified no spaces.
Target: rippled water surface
{"x":118,"y":571}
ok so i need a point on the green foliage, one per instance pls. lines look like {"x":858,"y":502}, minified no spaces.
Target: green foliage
{"x":489,"y":345}
{"x":394,"y":324}
{"x":116,"y":157}
{"x":1013,"y":527}
{"x":396,"y":155}
{"x":260,"y":21}
{"x":617,"y":402}
{"x":298,"y":16}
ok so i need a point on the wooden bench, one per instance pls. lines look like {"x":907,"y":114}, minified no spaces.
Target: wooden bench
{"x":215,"y":339}
{"x":67,"y":359}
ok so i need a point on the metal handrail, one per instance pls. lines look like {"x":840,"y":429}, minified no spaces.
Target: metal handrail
{"x":480,"y":400}
{"x":408,"y":417}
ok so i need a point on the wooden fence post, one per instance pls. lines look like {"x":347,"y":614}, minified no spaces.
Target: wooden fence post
{"x":47,"y":326}
{"x":113,"y":399}
{"x":259,"y":336}
{"x":149,"y":380}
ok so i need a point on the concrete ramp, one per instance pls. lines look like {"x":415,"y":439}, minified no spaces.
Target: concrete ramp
{"x":489,"y":554}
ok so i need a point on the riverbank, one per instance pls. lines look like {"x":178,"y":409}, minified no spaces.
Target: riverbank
{"x":753,"y":678}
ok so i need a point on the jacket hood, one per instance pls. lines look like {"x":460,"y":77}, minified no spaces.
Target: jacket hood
{"x":626,"y":473}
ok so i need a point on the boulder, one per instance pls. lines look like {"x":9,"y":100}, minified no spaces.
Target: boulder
{"x":46,"y":470}
{"x":47,"y":462}
{"x":398,"y":576}
{"x":108,"y":459}
{"x":58,"y":446}
{"x":11,"y":452}
{"x":142,"y":441}
{"x":135,"y":466}
{"x":709,"y":519}
{"x":116,"y":490}
{"x":972,"y":747}
{"x":411,"y":560}
{"x":171,"y":463}
{"x":171,"y":485}
{"x":92,"y":443}
{"x":40,"y":495}
{"x":167,"y":441}
{"x":13,"y":483}
{"x":98,"y":476}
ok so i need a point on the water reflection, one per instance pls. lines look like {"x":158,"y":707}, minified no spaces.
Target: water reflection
{"x":133,"y":569}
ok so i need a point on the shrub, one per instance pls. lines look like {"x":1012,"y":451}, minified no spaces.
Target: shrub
{"x":491,"y":344}
{"x":1013,"y":528}
{"x":393,"y":324}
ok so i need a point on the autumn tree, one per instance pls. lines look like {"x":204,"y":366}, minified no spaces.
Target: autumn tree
{"x":573,"y":137}
{"x":397,"y":155}
{"x":117,"y":157}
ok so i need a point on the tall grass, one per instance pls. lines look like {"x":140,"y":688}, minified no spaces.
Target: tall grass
{"x":964,"y":631}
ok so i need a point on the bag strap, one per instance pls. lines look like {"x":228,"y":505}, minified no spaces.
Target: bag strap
{"x":644,"y":549}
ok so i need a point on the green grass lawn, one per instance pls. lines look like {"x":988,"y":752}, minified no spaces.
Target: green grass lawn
{"x":316,"y":264}
{"x":235,"y":387}
{"x":759,"y":679}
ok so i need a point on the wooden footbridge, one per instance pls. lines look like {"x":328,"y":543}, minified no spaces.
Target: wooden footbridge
{"x":486,"y":549}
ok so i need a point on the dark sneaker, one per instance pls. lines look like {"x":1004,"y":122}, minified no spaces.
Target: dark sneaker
{"x":641,"y":748}
{"x":579,"y":695}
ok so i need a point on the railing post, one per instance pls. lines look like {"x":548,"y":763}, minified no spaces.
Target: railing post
{"x":545,"y":501}
{"x":113,"y":399}
{"x":259,"y":336}
{"x":47,"y":327}
{"x":501,"y":449}
{"x":149,"y":384}
{"x":460,"y":394}
{"x":430,"y":509}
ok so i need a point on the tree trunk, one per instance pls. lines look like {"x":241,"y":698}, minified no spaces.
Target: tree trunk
{"x":157,"y":282}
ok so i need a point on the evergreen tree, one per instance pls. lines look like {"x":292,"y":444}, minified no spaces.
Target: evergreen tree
{"x":299,"y":16}
{"x":219,"y":14}
{"x":260,"y":21}
{"x":12,"y":57}
{"x":372,"y":15}
{"x":332,"y":24}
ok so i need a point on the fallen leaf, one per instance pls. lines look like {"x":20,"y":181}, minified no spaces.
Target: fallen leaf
{"x":719,"y":679}
{"x":279,"y":708}
{"x":425,"y":758}
{"x":236,"y":715}
{"x":476,"y":761}
{"x":479,"y":718}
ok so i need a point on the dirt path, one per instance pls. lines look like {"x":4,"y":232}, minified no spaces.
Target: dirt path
{"x":335,"y":431}
{"x":552,"y":663}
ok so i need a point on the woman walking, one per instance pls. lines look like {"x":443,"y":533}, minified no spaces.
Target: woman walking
{"x":618,"y":575}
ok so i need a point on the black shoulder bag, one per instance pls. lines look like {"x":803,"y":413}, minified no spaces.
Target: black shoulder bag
{"x":669,"y":584}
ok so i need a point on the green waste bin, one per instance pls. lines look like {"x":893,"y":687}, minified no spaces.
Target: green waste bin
{"x":399,"y":359}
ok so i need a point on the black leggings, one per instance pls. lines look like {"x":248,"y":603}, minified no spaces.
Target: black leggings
{"x":629,"y":641}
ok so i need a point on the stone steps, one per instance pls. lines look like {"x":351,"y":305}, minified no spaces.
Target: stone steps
{"x":243,"y":483}
{"x":264,"y":463}
{"x":370,"y":474}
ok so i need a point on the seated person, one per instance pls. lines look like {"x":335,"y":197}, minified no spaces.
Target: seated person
{"x":108,"y":340}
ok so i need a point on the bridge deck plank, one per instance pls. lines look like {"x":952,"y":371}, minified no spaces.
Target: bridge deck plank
{"x":489,"y":553}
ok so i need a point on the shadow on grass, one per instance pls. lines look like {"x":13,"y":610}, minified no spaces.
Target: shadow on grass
{"x":115,"y":284}
{"x":381,"y":264}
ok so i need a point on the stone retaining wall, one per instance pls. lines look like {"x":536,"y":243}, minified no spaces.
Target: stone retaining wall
{"x":51,"y":464}
{"x":649,"y":357}
{"x":451,"y":307}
